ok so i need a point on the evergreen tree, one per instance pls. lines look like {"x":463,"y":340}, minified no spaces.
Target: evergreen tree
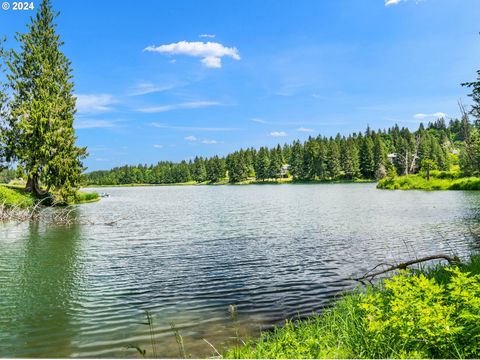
{"x":333,"y":166}
{"x":199,"y":171}
{"x":367,"y":161}
{"x":296,"y":160}
{"x":350,"y":160}
{"x":475,"y":95}
{"x":379,"y":157}
{"x":276,"y":162}
{"x":215,"y":169}
{"x":262,"y":164}
{"x":43,"y":108}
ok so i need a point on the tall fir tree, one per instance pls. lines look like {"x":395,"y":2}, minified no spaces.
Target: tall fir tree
{"x":367,"y":162}
{"x":262,"y":164}
{"x":199,"y":171}
{"x":42,"y":109}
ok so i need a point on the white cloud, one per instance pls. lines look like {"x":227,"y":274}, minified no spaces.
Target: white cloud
{"x":278,"y":134}
{"x":211,"y":53}
{"x":209,"y":141}
{"x":258,"y":120}
{"x":392,"y":2}
{"x":440,"y":115}
{"x":302,"y":129}
{"x":437,"y":115}
{"x":148,"y":88}
{"x":396,"y":2}
{"x":94,"y":103}
{"x":186,"y":105}
{"x":210,"y":36}
{"x":158,"y":146}
{"x":191,"y":138}
{"x":94,"y":124}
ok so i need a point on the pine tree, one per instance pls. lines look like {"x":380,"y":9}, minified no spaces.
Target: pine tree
{"x":296,"y":160}
{"x":199,"y":172}
{"x":276,"y":162}
{"x":215,"y":169}
{"x":262,"y":164}
{"x":333,"y":166}
{"x":367,"y":163}
{"x":475,"y":95}
{"x":379,"y":157}
{"x":43,"y":108}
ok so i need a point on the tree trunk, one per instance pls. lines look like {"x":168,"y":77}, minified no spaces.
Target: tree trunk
{"x":33,"y":186}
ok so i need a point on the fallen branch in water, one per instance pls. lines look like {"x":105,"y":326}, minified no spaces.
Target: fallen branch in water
{"x":369,"y":275}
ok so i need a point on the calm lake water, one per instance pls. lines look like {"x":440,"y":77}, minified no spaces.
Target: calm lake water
{"x":186,"y":253}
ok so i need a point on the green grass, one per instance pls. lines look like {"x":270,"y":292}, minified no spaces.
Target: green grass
{"x":84,"y":197}
{"x":439,"y":180}
{"x":428,"y":313}
{"x":15,"y":197}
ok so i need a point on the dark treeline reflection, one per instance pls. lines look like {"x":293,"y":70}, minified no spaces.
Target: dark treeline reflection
{"x":39,"y":282}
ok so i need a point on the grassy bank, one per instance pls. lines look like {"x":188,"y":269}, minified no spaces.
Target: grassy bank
{"x":87,"y":197}
{"x":439,"y":180}
{"x":434,"y":313}
{"x":15,"y":196}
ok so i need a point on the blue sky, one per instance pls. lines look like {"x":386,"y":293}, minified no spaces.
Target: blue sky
{"x":168,"y":80}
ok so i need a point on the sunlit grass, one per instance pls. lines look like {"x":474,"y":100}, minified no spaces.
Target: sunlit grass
{"x":400,"y":319}
{"x":439,"y":180}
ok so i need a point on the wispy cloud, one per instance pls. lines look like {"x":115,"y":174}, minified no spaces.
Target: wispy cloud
{"x":186,"y":105}
{"x":210,"y":53}
{"x":209,"y":141}
{"x":192,"y":128}
{"x":396,"y":2}
{"x":392,"y":2}
{"x":259,"y":120}
{"x":94,"y":103}
{"x":149,"y":88}
{"x":210,"y":36}
{"x":157,"y":146}
{"x":437,"y":115}
{"x":190,"y":138}
{"x":306,"y":130}
{"x":278,"y":134}
{"x":95,"y":124}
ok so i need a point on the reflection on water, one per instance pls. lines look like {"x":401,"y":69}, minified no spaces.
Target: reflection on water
{"x":187,"y":253}
{"x":39,"y":272}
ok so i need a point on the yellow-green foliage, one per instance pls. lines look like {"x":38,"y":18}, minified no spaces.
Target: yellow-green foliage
{"x":438,"y":181}
{"x":429,"y":314}
{"x":425,"y":318}
{"x":83,"y":197}
{"x":15,"y":197}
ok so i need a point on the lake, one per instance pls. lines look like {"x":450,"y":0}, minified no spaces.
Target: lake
{"x":186,"y":253}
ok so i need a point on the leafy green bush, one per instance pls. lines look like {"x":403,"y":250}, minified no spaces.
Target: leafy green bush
{"x":432,"y":313}
{"x":425,"y":318}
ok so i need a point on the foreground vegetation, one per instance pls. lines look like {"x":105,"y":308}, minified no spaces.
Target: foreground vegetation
{"x":432,"y":313}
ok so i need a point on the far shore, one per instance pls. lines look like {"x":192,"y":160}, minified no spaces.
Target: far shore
{"x":285,"y":181}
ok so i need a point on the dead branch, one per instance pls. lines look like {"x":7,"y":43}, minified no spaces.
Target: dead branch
{"x":369,"y":275}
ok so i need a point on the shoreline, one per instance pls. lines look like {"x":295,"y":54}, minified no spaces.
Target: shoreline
{"x":247,"y":182}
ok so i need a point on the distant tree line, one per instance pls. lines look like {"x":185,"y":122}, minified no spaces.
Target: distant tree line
{"x":368,"y":155}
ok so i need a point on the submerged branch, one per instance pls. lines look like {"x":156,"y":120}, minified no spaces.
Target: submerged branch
{"x":370,"y":275}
